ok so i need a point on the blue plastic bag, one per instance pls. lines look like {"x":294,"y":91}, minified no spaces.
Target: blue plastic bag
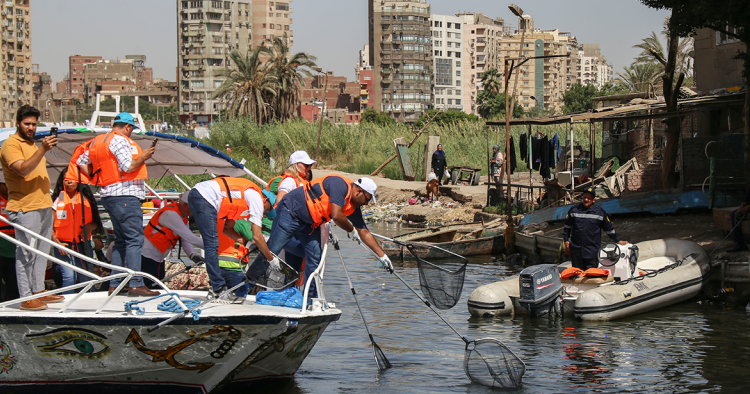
{"x":290,"y":298}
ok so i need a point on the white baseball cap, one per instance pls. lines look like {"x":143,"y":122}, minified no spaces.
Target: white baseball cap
{"x":301,"y":156}
{"x":367,"y":185}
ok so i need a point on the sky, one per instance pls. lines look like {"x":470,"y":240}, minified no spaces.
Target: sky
{"x":332,"y":30}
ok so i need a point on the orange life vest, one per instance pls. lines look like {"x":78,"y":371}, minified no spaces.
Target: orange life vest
{"x":571,"y":273}
{"x":596,"y":273}
{"x":162,"y":237}
{"x":231,"y":253}
{"x":69,"y":217}
{"x":297,"y":180}
{"x":5,"y":228}
{"x":235,"y":208}
{"x":74,"y":173}
{"x":320,"y":205}
{"x":104,"y":162}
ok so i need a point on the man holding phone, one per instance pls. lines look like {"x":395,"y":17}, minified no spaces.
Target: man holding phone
{"x":29,"y":203}
{"x":116,"y":164}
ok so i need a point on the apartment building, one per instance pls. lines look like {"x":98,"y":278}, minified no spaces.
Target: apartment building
{"x":16,"y":78}
{"x":76,"y":71}
{"x":401,"y":55}
{"x":271,"y":19}
{"x":207,"y":32}
{"x":448,"y":56}
{"x":594,"y":69}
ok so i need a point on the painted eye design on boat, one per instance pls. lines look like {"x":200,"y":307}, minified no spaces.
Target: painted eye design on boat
{"x":72,"y":343}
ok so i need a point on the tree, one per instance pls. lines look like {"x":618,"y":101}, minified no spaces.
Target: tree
{"x":579,"y":98}
{"x":441,"y":118}
{"x":612,"y":89}
{"x":653,"y":52}
{"x":730,"y":17}
{"x":290,"y":74}
{"x":248,"y":87}
{"x":369,"y":115}
{"x":492,"y":106}
{"x":638,"y":76}
{"x":491,"y":81}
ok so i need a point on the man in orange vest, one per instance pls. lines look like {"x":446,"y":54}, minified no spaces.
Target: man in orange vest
{"x":116,"y":164}
{"x":304,"y":209}
{"x":168,"y":226}
{"x":225,"y":200}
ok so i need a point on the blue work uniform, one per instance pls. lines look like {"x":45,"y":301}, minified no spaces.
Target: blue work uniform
{"x":583,"y":228}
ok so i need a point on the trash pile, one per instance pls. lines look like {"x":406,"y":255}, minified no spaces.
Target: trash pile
{"x":430,"y":213}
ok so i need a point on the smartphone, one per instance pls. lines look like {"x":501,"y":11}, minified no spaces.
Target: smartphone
{"x":53,"y":132}
{"x":153,"y":144}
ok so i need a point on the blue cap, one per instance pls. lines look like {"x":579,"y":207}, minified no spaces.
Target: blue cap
{"x":124,"y":117}
{"x":272,"y":198}
{"x":590,"y":190}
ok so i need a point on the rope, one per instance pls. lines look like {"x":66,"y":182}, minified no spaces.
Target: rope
{"x":739,"y":218}
{"x":169,"y":305}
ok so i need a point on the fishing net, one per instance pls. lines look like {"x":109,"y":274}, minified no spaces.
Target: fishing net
{"x":490,"y":363}
{"x":260,"y":273}
{"x":380,"y":358}
{"x":442,"y":277}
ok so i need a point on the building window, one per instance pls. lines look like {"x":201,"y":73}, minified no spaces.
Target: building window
{"x":458,"y":82}
{"x":286,"y":27}
{"x":458,"y":73}
{"x":450,"y":101}
{"x":272,"y":26}
{"x":282,"y":6}
{"x":458,"y":102}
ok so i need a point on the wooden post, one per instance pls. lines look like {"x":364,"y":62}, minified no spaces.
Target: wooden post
{"x":592,"y":146}
{"x":650,"y":138}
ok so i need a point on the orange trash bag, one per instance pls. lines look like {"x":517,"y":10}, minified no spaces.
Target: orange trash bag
{"x":571,"y":272}
{"x":596,"y":273}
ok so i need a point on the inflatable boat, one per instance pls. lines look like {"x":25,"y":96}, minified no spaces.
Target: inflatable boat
{"x":642,"y":277}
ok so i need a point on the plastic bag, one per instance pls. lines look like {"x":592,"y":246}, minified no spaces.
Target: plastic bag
{"x":289,"y":298}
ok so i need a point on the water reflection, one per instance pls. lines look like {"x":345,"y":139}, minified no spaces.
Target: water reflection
{"x":685,"y":348}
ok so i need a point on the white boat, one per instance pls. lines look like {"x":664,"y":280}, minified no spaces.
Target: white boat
{"x":90,"y":341}
{"x":668,"y":271}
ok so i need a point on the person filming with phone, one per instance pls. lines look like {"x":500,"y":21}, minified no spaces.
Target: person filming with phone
{"x":116,"y":164}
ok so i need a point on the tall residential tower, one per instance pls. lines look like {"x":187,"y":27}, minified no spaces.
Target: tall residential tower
{"x":16,"y":76}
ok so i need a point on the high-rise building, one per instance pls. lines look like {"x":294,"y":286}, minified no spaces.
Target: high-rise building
{"x":207,"y":32}
{"x":594,"y":69}
{"x":448,"y":56}
{"x":76,"y":74}
{"x":17,"y":70}
{"x":271,"y":19}
{"x":401,"y":55}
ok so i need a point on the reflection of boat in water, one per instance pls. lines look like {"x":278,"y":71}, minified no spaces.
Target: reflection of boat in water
{"x":461,"y":239}
{"x":667,"y":272}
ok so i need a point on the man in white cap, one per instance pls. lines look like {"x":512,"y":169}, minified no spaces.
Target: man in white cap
{"x":303,"y":210}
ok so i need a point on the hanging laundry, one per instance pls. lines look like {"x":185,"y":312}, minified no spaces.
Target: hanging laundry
{"x":536,"y":152}
{"x":512,"y":156}
{"x":544,"y":158}
{"x":555,"y":144}
{"x":524,"y":148}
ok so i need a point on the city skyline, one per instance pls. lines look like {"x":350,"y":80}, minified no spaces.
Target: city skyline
{"x":335,"y":44}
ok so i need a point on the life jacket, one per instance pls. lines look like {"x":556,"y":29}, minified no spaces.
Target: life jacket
{"x":297,"y":180}
{"x":273,"y":184}
{"x":163,"y":237}
{"x":231,"y":253}
{"x":5,"y":228}
{"x":70,"y":218}
{"x":596,"y":273}
{"x":106,"y":170}
{"x":320,"y":205}
{"x":235,"y":208}
{"x":74,"y":172}
{"x":571,"y":273}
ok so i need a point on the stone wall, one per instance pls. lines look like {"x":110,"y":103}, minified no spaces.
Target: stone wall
{"x":647,"y":179}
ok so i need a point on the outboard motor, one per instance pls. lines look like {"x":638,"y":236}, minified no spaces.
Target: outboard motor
{"x":619,"y":260}
{"x":540,"y":289}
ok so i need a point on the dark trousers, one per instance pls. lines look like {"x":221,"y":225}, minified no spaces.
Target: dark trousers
{"x":153,"y":267}
{"x":439,"y":175}
{"x":737,"y":235}
{"x":583,"y":263}
{"x":8,"y":275}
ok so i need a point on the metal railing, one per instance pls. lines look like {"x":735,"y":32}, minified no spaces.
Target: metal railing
{"x":319,"y":272}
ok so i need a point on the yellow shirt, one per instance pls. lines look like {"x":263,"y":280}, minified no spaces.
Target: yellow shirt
{"x":32,"y":192}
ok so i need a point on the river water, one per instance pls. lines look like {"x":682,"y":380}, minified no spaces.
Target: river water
{"x":683,"y":348}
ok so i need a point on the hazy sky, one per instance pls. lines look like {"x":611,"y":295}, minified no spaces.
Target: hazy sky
{"x":332,"y":30}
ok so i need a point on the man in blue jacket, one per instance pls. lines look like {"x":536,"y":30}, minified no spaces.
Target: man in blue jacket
{"x":582,"y":233}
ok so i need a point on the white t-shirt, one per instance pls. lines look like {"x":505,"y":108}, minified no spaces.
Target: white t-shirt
{"x":287,"y":185}
{"x":173,"y":221}
{"x":213,"y":193}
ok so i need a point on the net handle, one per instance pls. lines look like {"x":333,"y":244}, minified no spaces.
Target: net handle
{"x":407,"y":244}
{"x":417,"y":294}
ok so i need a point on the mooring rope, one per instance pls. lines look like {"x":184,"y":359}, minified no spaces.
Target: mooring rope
{"x":169,"y":305}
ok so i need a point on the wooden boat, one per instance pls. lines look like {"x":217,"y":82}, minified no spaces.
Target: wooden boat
{"x":462,"y":239}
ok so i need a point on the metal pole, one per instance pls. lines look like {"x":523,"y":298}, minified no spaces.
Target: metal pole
{"x":508,"y":115}
{"x":572,"y":179}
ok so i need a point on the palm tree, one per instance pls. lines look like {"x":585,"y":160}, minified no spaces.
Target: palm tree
{"x":491,"y":81}
{"x":637,"y":76}
{"x":291,"y":75}
{"x":248,"y":87}
{"x":653,"y":52}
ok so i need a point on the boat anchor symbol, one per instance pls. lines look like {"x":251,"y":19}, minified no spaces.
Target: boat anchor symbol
{"x":168,"y":355}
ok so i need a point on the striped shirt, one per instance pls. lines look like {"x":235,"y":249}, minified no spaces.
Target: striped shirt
{"x":120,"y":147}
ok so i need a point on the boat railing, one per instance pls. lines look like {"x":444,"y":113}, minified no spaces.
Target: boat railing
{"x":126,"y":273}
{"x":319,"y":272}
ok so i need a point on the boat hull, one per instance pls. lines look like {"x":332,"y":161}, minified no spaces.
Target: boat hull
{"x":448,"y":238}
{"x":64,"y":353}
{"x":611,"y":301}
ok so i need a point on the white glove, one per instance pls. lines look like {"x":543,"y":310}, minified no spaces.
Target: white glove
{"x":275,"y":264}
{"x":354,"y":236}
{"x":385,"y":262}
